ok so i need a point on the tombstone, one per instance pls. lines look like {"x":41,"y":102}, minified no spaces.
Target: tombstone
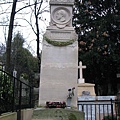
{"x":25,"y":89}
{"x":84,"y":88}
{"x":59,"y":55}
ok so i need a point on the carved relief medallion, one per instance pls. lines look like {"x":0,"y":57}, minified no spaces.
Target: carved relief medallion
{"x":61,"y":17}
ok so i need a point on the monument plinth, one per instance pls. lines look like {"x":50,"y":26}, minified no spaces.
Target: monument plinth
{"x":86,"y":89}
{"x":59,"y":55}
{"x":57,"y":114}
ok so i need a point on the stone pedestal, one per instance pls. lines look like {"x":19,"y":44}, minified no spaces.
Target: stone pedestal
{"x":57,"y":114}
{"x":80,"y":80}
{"x":86,"y":89}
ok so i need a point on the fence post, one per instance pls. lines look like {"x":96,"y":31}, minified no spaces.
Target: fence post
{"x":13,"y":104}
{"x":82,"y":107}
{"x":30,"y":96}
{"x":20,"y":98}
{"x":112,"y":110}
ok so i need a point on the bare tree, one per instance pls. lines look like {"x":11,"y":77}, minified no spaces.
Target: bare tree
{"x":36,"y":16}
{"x":37,"y":10}
{"x":9,"y":39}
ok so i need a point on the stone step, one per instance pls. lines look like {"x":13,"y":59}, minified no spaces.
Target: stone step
{"x":57,"y":114}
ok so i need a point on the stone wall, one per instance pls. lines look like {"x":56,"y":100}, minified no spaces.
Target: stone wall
{"x":26,"y":114}
{"x":9,"y":116}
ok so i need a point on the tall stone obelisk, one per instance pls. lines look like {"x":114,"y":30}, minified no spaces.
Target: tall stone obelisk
{"x":59,"y":63}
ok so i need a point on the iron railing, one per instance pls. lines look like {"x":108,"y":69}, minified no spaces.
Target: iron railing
{"x":14,"y":94}
{"x":100,"y":109}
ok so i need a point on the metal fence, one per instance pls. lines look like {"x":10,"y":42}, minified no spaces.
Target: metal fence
{"x":14,"y":94}
{"x":100,"y":109}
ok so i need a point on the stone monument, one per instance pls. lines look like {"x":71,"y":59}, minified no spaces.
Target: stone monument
{"x":84,"y":89}
{"x":59,"y":61}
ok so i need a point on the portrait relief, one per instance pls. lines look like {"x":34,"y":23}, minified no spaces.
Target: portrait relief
{"x":61,"y":16}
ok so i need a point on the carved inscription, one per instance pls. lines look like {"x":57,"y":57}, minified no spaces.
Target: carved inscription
{"x":85,"y":93}
{"x":61,"y":35}
{"x":62,"y":1}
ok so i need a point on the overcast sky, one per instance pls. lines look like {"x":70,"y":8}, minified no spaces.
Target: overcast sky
{"x":22,"y":26}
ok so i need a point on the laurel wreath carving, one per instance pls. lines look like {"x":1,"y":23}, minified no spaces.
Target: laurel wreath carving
{"x":58,"y":43}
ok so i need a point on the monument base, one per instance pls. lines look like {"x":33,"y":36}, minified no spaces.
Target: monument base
{"x":86,"y":89}
{"x":81,"y":80}
{"x":57,"y":114}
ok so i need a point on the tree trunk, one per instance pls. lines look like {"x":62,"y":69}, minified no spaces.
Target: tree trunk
{"x":9,"y":40}
{"x":38,"y":32}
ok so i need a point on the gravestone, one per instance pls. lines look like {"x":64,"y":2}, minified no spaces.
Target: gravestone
{"x":59,"y":55}
{"x":84,"y":88}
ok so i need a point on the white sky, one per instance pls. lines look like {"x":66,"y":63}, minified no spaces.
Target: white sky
{"x":24,"y":28}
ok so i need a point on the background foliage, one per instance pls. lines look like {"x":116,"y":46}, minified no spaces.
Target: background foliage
{"x":22,"y":60}
{"x":97,"y":23}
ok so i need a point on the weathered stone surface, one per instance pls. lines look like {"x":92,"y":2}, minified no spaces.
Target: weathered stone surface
{"x":57,"y":114}
{"x":61,"y":13}
{"x":58,"y":73}
{"x":61,"y":35}
{"x":86,"y":87}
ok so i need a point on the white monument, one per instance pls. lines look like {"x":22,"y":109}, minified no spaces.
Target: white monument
{"x":59,"y":63}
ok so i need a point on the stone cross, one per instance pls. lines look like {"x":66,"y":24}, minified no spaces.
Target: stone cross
{"x":81,"y":79}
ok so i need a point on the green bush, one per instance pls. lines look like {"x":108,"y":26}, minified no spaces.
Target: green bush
{"x":6,"y":86}
{"x":109,"y":117}
{"x":6,"y":92}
